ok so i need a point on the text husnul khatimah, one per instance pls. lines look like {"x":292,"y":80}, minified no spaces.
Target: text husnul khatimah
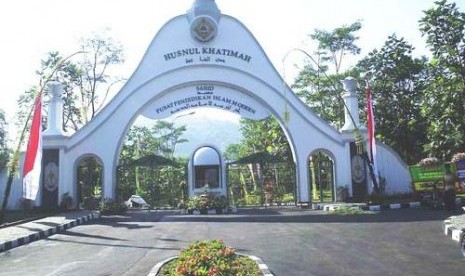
{"x":207,"y":51}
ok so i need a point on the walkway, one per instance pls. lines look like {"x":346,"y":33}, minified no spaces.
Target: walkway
{"x":17,"y":235}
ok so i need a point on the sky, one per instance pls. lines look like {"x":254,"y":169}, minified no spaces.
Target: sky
{"x":30,"y":28}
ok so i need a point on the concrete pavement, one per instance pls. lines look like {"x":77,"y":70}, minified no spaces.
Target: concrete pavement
{"x":291,"y":241}
{"x":20,"y":234}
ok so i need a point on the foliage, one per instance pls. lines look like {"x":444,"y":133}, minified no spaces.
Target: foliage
{"x":350,"y":210}
{"x":429,"y":161}
{"x":211,"y":258}
{"x":160,"y":185}
{"x":246,"y":180}
{"x":443,"y":26}
{"x":321,"y":92}
{"x":89,"y":178}
{"x":335,"y":44}
{"x":320,"y":87}
{"x":458,"y":156}
{"x":288,"y":198}
{"x":66,"y":201}
{"x":109,"y":207}
{"x":86,"y":80}
{"x":397,"y":81}
{"x":342,"y":193}
{"x":4,"y":151}
{"x":207,"y":201}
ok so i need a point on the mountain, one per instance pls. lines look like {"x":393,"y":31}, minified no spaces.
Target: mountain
{"x":208,"y":127}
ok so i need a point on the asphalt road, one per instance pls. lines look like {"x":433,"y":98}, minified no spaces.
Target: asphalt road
{"x":398,"y":242}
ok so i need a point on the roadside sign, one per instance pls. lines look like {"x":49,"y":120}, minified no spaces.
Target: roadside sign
{"x":425,"y":178}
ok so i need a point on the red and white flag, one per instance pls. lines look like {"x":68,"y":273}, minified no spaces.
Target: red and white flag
{"x":371,"y":129}
{"x":33,"y":160}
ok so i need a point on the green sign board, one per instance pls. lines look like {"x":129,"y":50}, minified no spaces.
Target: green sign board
{"x":420,"y":174}
{"x":429,"y":177}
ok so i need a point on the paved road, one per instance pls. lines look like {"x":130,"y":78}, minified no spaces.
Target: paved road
{"x":400,"y":242}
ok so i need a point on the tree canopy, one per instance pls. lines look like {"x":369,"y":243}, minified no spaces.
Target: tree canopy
{"x":4,"y":151}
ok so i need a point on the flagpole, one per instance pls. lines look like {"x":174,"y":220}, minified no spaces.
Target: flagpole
{"x":371,"y":138}
{"x":13,"y":165}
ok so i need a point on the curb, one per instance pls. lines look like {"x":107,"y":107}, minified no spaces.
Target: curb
{"x":334,"y":206}
{"x":46,"y":232}
{"x":261,"y":265}
{"x":451,"y":231}
{"x":393,"y":206}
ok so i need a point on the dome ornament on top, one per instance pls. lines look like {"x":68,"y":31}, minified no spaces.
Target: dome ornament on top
{"x":204,"y":17}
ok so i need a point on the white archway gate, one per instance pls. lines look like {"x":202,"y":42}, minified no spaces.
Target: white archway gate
{"x":202,"y":59}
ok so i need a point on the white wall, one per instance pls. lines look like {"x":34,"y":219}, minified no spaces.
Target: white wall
{"x":394,"y":169}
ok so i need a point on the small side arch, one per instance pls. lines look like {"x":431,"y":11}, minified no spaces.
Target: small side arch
{"x":89,"y":179}
{"x":321,"y":175}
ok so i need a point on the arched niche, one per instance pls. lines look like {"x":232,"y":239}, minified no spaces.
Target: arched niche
{"x":321,"y":176}
{"x":89,"y":181}
{"x":206,"y":172}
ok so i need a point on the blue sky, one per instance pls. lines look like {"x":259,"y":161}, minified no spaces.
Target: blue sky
{"x":30,"y":28}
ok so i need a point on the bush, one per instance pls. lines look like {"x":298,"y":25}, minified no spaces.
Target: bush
{"x":458,"y":156}
{"x":207,"y":201}
{"x":210,"y":258}
{"x":252,"y":200}
{"x":288,"y":198}
{"x":109,"y":206}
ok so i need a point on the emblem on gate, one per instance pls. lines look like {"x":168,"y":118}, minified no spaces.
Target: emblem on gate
{"x":203,"y":28}
{"x":51,"y":177}
{"x":358,"y":169}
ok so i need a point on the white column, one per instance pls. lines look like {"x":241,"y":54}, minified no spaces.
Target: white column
{"x":351,"y":115}
{"x":55,"y":111}
{"x":302,"y":179}
{"x":109,"y":181}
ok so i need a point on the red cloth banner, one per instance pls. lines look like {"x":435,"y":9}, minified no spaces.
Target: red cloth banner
{"x":371,"y":129}
{"x":33,"y":160}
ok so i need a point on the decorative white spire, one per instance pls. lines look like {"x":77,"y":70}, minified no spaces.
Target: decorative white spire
{"x":204,"y":8}
{"x":55,"y":111}
{"x":351,"y":115}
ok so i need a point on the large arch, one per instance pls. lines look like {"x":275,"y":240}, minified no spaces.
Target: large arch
{"x":171,"y":75}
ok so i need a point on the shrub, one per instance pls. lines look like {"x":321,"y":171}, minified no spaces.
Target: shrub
{"x":210,"y":258}
{"x":458,"y":156}
{"x":288,"y":198}
{"x":207,"y":201}
{"x":109,"y":206}
{"x":429,"y":161}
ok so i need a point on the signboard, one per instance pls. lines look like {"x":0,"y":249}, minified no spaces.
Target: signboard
{"x":422,"y":174}
{"x":425,"y":178}
{"x":206,"y":95}
{"x":460,"y":167}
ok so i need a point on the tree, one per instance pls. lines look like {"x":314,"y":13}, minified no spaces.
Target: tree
{"x":157,"y":183}
{"x":86,"y":80}
{"x":169,"y":137}
{"x":101,"y":52}
{"x":397,"y":83}
{"x":443,"y":26}
{"x":4,"y":151}
{"x":319,"y":83}
{"x":336,"y":44}
{"x":14,"y":164}
{"x":264,"y":136}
